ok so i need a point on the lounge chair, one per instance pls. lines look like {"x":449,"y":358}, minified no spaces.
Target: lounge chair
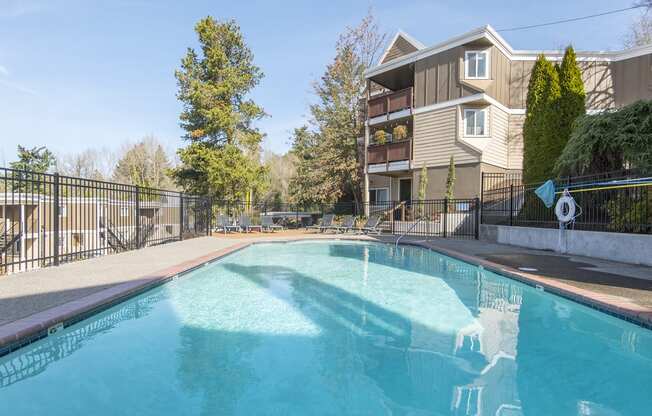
{"x":326,"y":223}
{"x":225,"y":224}
{"x":348,"y":224}
{"x":247,"y":226}
{"x":371,"y":226}
{"x":267,"y":224}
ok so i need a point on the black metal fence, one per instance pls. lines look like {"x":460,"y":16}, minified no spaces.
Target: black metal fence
{"x":612,"y":201}
{"x":48,"y":219}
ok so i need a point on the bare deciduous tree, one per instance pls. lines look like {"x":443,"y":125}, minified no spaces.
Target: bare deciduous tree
{"x":640,"y":30}
{"x":145,"y":164}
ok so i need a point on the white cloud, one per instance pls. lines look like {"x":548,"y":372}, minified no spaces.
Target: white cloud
{"x":17,"y":87}
{"x":4,"y":71}
{"x":17,"y":8}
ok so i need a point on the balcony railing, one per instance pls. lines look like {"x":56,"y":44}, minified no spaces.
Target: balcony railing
{"x":390,"y":152}
{"x":390,"y":103}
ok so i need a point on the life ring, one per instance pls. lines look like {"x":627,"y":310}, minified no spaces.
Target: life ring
{"x":565,"y":209}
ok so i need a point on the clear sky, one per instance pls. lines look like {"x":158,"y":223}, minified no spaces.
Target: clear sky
{"x":96,"y":74}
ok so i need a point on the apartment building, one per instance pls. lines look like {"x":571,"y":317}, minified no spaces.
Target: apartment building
{"x":465,"y":97}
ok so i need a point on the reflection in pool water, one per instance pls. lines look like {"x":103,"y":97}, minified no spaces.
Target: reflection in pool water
{"x":337,"y":328}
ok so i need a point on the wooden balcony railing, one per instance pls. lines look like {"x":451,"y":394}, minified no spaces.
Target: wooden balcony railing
{"x":390,"y":103}
{"x":390,"y":152}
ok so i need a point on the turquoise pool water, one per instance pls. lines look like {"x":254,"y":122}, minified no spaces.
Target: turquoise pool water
{"x":336,"y":328}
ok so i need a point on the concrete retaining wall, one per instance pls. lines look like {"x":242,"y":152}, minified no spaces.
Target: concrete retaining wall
{"x":626,"y":248}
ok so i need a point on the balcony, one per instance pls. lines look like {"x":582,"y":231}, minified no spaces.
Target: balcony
{"x":390,"y":157}
{"x":390,"y":106}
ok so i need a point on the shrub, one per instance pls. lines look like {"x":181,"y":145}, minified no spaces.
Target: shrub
{"x":400,"y":132}
{"x":380,"y":137}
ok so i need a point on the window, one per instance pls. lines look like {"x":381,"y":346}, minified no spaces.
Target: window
{"x":476,"y":64}
{"x":378,"y":195}
{"x":475,"y":122}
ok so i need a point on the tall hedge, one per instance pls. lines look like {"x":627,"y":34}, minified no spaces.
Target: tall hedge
{"x":571,"y":103}
{"x":541,"y":121}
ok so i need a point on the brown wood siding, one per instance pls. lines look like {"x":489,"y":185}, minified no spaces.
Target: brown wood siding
{"x":519,"y":79}
{"x":400,"y":48}
{"x":633,"y":80}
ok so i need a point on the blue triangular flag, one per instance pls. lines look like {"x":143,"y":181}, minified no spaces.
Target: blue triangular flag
{"x":546,"y":193}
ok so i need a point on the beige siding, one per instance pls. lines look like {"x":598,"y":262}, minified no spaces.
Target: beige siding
{"x":436,"y":78}
{"x":467,"y":182}
{"x":515,"y":141}
{"x":633,"y":80}
{"x":399,"y":48}
{"x":435,"y":139}
{"x":496,"y":152}
{"x":519,"y":78}
{"x":498,"y":84}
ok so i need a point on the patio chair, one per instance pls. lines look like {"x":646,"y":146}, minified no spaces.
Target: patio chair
{"x":247,"y":226}
{"x":371,"y":226}
{"x":225,"y":224}
{"x":267,"y":224}
{"x":326,"y":222}
{"x":348,"y":224}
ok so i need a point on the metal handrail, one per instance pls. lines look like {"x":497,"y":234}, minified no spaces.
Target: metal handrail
{"x":409,"y":229}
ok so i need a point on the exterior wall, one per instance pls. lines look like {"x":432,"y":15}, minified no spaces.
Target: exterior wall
{"x":515,"y":141}
{"x":632,"y":80}
{"x":399,"y":48}
{"x":496,"y":152}
{"x":436,"y":79}
{"x":435,"y":140}
{"x":467,"y":181}
{"x":598,"y":84}
{"x":498,"y":84}
{"x":519,"y":78}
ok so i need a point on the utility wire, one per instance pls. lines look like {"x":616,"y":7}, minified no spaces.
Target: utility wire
{"x":574,"y":19}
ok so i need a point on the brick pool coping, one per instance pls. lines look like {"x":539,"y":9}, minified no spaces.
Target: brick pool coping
{"x":21,"y":332}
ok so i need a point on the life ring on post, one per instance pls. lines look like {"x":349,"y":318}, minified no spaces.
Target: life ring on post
{"x":565,"y":209}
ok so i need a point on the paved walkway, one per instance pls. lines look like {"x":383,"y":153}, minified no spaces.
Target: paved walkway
{"x":25,"y":294}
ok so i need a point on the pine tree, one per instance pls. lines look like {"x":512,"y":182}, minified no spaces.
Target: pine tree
{"x":450,"y":179}
{"x":541,"y":121}
{"x":571,"y":103}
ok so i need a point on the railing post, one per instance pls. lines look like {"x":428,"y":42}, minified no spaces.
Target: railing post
{"x":180,"y":216}
{"x":477,"y":218}
{"x":511,"y":204}
{"x":56,"y":223}
{"x":445,"y":217}
{"x":138,"y":232}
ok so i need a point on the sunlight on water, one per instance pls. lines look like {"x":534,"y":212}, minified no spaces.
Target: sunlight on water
{"x":336,"y":328}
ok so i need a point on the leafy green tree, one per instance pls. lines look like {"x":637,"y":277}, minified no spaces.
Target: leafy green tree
{"x":225,"y":172}
{"x":36,"y":159}
{"x":570,"y":105}
{"x":610,"y":141}
{"x":328,"y":168}
{"x":223,"y":156}
{"x":541,"y":122}
{"x":450,"y":179}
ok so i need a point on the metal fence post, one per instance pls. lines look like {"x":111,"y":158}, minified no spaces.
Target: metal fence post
{"x":138,"y":231}
{"x":56,"y":220}
{"x":511,"y":204}
{"x":180,"y":216}
{"x":481,"y":196}
{"x":477,"y":218}
{"x":209,"y":218}
{"x":445,"y":217}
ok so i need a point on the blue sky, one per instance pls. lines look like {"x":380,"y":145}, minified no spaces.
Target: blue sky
{"x":97,"y":74}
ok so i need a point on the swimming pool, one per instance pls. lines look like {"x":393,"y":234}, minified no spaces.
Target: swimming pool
{"x":334,"y":328}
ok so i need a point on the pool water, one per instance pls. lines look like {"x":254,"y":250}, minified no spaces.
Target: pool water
{"x":336,"y":328}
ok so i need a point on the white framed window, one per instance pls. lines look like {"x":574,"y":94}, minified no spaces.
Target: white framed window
{"x":476,"y":64}
{"x":475,"y":122}
{"x":377,"y":195}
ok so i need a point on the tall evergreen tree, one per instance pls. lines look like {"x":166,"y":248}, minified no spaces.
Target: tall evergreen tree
{"x":222,"y":158}
{"x":540,"y":121}
{"x":571,"y":103}
{"x":450,"y":179}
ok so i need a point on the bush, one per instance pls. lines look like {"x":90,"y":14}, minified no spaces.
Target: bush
{"x":380,"y":137}
{"x":609,"y":141}
{"x":400,"y":133}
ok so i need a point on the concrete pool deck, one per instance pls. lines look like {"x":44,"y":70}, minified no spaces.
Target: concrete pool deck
{"x":31,"y":302}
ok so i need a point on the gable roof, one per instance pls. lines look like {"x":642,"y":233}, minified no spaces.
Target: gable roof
{"x":400,"y":45}
{"x":489,"y":33}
